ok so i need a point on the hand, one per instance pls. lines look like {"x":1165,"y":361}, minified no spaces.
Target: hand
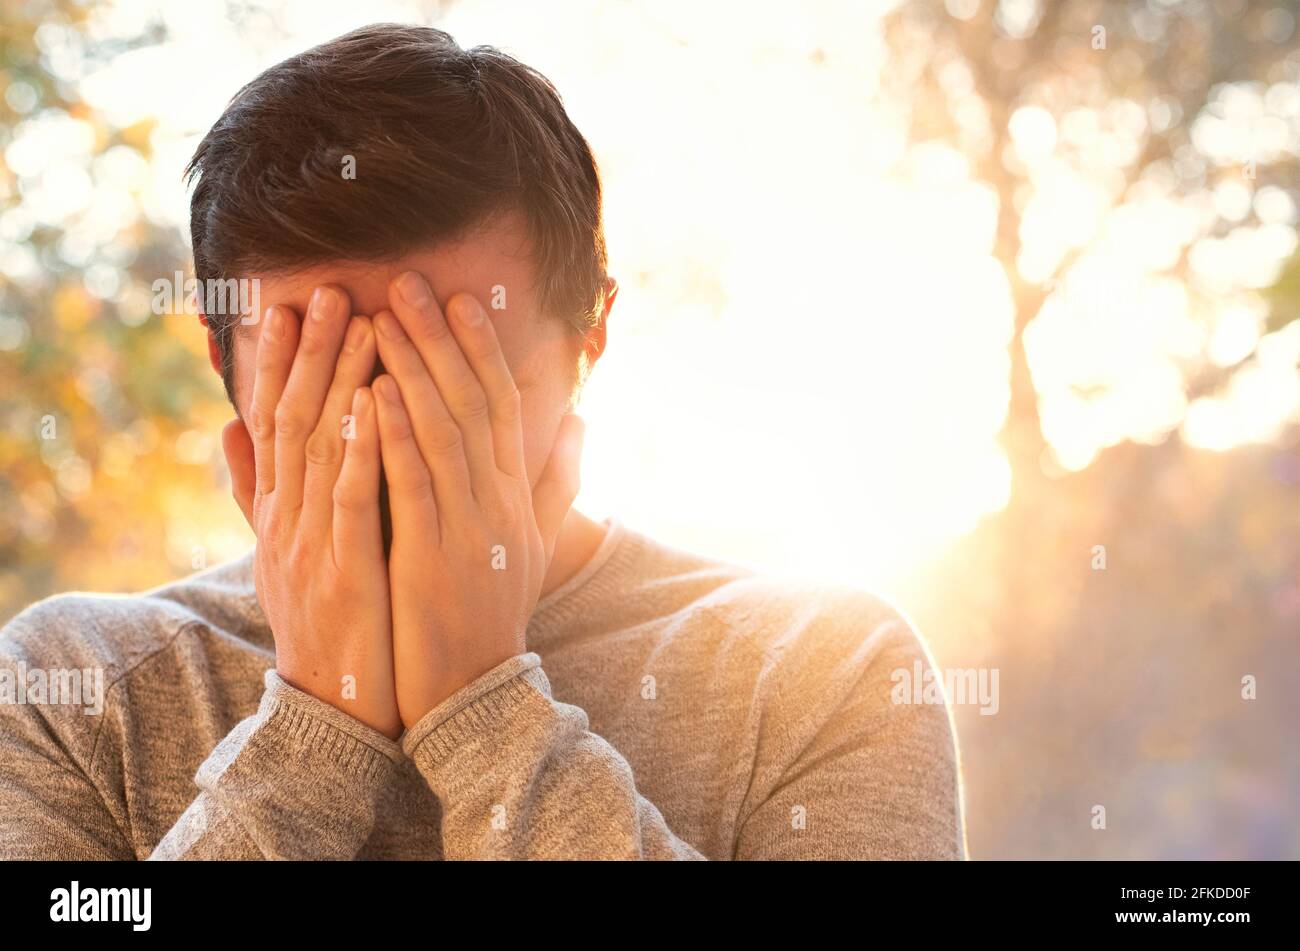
{"x":471,"y":542}
{"x":307,"y":480}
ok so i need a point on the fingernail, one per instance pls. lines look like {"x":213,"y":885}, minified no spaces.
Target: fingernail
{"x":388,"y":325}
{"x":468,"y":311}
{"x":356,"y":336}
{"x":387,"y":389}
{"x":274,"y":328}
{"x":324,"y":303}
{"x":414,"y":289}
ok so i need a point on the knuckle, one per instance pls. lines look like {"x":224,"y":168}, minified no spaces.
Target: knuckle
{"x":349,"y":499}
{"x":502,"y":511}
{"x":261,"y":424}
{"x":508,"y":407}
{"x":289,"y":425}
{"x":324,"y":448}
{"x":413,"y":484}
{"x":471,"y":405}
{"x":301,"y":565}
{"x":272,"y":524}
{"x":400,"y":428}
{"x":444,"y":437}
{"x":460,"y":537}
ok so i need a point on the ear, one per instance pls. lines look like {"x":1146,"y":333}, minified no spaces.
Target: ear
{"x":214,"y":354}
{"x":593,"y":344}
{"x":243,"y":467}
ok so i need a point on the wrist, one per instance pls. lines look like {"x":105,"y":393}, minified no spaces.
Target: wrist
{"x":475,"y":714}
{"x":333,"y":691}
{"x":448,"y":681}
{"x":308,"y":723}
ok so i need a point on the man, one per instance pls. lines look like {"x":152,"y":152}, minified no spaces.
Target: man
{"x":430,"y":654}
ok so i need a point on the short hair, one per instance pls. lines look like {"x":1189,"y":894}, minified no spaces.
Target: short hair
{"x":441,"y":138}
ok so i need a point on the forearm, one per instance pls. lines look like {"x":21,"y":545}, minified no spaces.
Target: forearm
{"x":298,"y":780}
{"x":519,"y":775}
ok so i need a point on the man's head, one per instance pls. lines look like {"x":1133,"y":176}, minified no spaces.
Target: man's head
{"x":391,"y":148}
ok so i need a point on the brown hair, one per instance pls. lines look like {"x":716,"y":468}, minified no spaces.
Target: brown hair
{"x":441,"y":137}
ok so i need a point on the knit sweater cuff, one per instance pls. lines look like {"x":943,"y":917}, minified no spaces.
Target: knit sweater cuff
{"x":311,"y":726}
{"x":493,"y":699}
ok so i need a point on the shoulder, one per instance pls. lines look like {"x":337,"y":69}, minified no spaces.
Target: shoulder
{"x":794,"y":621}
{"x":799,"y":627}
{"x":115,"y":632}
{"x":819,"y":667}
{"x":61,"y":657}
{"x":832,"y":653}
{"x":790,"y":643}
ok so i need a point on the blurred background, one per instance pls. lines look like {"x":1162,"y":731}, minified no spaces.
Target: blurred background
{"x":987,"y":306}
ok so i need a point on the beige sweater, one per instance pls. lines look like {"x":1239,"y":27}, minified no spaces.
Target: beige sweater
{"x":670,"y":707}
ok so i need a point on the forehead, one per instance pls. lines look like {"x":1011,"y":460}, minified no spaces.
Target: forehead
{"x":491,"y":261}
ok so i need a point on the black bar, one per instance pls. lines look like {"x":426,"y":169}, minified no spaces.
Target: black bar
{"x":928,"y":901}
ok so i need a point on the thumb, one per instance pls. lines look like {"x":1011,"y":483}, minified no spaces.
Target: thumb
{"x":238,"y":447}
{"x":558,"y":485}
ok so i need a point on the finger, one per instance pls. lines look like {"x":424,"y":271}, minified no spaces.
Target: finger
{"x":299,"y":410}
{"x":337,"y":427}
{"x":276,"y":346}
{"x":436,"y":433}
{"x":357,"y":536}
{"x":238,"y":446}
{"x":411,"y":496}
{"x":558,"y":485}
{"x":478,"y":340}
{"x":417,"y":310}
